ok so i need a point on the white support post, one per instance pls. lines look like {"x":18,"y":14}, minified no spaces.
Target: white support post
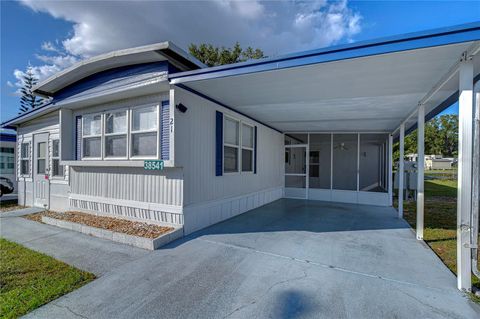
{"x":464,"y":194}
{"x":401,"y":170}
{"x":420,"y":169}
{"x":390,"y":169}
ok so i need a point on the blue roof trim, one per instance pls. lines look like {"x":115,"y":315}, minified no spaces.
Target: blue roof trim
{"x":182,"y":86}
{"x":39,"y":109}
{"x":411,"y":41}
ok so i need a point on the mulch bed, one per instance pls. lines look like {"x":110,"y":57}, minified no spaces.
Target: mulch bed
{"x":114,"y":224}
{"x":5,"y":208}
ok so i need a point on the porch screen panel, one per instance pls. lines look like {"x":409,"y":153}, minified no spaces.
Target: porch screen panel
{"x":295,"y":181}
{"x":345,"y":147}
{"x":295,"y":160}
{"x":371,"y":161}
{"x":320,"y":161}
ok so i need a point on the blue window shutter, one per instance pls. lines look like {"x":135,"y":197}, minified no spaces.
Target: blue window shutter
{"x":78,"y":138}
{"x":165,"y":134}
{"x":219,"y":144}
{"x":255,"y":152}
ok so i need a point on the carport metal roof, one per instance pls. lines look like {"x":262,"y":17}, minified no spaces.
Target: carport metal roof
{"x":369,"y":86}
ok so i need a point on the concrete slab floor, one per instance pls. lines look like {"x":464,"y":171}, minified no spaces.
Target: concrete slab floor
{"x":288,"y":259}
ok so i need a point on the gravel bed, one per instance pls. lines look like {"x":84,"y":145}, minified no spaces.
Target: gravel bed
{"x":114,"y":224}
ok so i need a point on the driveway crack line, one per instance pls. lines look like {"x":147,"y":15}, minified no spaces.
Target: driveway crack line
{"x":43,"y":237}
{"x":255,"y":300}
{"x":322,"y":265}
{"x":69,"y":310}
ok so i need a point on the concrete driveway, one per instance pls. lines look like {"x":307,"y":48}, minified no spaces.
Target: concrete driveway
{"x":288,"y":259}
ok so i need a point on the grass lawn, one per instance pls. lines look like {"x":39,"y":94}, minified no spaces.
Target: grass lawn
{"x":440,"y":221}
{"x":29,"y":279}
{"x":440,"y":187}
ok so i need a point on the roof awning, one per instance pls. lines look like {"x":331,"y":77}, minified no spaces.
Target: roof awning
{"x":365,"y":87}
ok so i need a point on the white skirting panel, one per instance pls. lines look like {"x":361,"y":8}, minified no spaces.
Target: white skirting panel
{"x":374,"y":198}
{"x":202,"y":215}
{"x":293,"y":192}
{"x":344,"y":196}
{"x":320,"y":194}
{"x":137,"y":211}
{"x":341,"y":196}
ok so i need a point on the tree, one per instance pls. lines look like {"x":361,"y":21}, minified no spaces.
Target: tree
{"x":29,"y":101}
{"x":213,"y":56}
{"x":441,"y":137}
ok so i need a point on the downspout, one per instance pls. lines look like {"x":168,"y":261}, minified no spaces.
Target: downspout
{"x":476,"y":181}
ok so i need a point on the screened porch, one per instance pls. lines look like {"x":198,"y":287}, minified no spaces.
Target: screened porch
{"x":340,"y":167}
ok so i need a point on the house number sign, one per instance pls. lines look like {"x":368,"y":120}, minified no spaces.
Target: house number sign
{"x":153,"y":165}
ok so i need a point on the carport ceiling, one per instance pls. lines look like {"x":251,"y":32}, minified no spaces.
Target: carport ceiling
{"x":373,"y":93}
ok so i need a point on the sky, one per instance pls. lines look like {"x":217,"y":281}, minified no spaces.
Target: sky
{"x":52,"y":35}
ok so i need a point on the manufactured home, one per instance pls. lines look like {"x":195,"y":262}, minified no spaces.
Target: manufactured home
{"x":151,"y":134}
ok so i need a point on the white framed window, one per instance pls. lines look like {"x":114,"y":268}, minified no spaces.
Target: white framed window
{"x":247,"y":147}
{"x":57,"y":169}
{"x":92,"y":136}
{"x":231,"y":145}
{"x":25,"y":159}
{"x":116,"y":123}
{"x":144,"y":132}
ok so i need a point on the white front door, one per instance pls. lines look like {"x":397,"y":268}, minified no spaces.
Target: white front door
{"x":41,"y":188}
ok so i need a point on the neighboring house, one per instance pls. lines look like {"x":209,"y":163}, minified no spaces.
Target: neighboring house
{"x":8,"y":180}
{"x":434,"y":161}
{"x":440,"y":163}
{"x":151,"y":134}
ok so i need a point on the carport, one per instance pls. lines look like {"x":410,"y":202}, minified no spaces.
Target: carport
{"x":341,"y":108}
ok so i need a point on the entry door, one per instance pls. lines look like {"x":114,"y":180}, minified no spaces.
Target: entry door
{"x":296,"y":171}
{"x":40,"y":171}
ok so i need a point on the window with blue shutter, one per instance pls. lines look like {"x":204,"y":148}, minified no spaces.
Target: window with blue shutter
{"x":219,"y":143}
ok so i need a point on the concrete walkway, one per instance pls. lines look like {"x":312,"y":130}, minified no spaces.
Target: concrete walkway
{"x":288,"y":259}
{"x":88,"y":253}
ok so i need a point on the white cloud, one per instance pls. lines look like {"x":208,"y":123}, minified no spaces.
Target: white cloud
{"x":275,"y":27}
{"x":49,"y":46}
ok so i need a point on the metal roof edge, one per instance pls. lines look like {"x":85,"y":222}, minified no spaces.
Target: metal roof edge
{"x":156,"y":47}
{"x":27,"y":115}
{"x":337,"y":52}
